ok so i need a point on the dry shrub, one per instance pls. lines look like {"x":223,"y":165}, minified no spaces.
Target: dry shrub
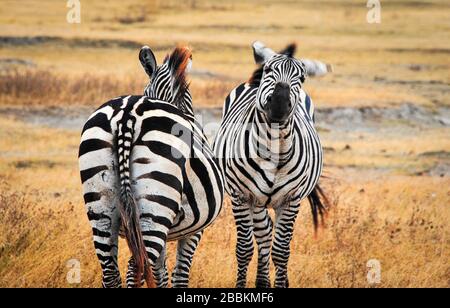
{"x":45,"y":88}
{"x":210,"y":93}
{"x":40,"y":87}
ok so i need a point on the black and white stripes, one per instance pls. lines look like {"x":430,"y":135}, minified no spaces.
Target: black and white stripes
{"x":271,"y":157}
{"x":146,"y":168}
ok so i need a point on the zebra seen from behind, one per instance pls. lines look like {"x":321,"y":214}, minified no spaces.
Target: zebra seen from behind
{"x":148,"y":172}
{"x":271,"y":157}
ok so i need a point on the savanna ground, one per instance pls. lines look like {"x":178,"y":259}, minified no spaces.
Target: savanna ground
{"x":383,"y":116}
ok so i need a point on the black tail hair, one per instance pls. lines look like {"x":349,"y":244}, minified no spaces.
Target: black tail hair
{"x":320,"y":204}
{"x":133,"y":234}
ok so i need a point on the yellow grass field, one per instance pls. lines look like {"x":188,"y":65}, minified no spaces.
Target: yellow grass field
{"x":389,"y":178}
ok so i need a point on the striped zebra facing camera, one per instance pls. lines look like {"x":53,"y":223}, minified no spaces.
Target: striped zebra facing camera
{"x":149,"y":174}
{"x":271,"y":157}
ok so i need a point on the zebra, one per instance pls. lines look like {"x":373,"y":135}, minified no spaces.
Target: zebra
{"x":148,"y":173}
{"x":271,"y":157}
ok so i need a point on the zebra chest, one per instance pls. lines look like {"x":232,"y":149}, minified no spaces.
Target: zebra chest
{"x":271,"y":188}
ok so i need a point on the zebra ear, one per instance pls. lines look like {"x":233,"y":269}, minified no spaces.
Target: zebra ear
{"x":148,"y":60}
{"x":316,"y":68}
{"x":289,"y":50}
{"x":262,"y":53}
{"x":189,"y":66}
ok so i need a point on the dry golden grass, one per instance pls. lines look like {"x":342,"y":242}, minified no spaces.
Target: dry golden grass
{"x":403,"y":221}
{"x":39,"y":87}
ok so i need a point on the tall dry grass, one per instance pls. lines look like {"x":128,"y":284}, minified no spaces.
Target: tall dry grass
{"x":402,"y":222}
{"x":41,"y":87}
{"x":45,"y":88}
{"x":31,"y":229}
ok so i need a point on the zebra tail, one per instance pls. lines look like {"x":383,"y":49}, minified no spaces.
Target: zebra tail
{"x":130,"y":214}
{"x":320,"y":205}
{"x":133,"y":235}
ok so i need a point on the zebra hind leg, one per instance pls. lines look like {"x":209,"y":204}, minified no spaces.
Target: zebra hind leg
{"x":104,"y":217}
{"x":244,"y":245}
{"x":185,"y":252}
{"x":104,"y":220}
{"x":160,"y":272}
{"x":131,"y":275}
{"x":98,"y":174}
{"x":159,"y":201}
{"x":262,"y":226}
{"x":284,"y":227}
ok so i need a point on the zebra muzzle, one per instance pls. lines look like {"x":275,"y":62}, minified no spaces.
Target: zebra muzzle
{"x":279,"y":105}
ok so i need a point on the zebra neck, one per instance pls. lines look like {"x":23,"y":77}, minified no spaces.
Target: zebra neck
{"x":186,"y":107}
{"x":184,"y":104}
{"x":272,"y":142}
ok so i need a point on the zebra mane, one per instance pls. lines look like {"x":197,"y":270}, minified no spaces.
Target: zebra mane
{"x":255,"y":78}
{"x":178,"y":62}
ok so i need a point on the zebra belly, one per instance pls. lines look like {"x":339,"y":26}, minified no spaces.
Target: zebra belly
{"x":292,"y":183}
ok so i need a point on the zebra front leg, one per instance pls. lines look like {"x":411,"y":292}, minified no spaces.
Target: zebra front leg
{"x":185,"y":252}
{"x":244,"y":245}
{"x":284,"y":227}
{"x":262,"y":227}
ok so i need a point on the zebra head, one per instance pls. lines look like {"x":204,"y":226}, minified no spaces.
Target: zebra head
{"x":168,"y":82}
{"x":280,"y":82}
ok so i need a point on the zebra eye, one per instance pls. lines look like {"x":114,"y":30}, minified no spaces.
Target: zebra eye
{"x":267,"y":70}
